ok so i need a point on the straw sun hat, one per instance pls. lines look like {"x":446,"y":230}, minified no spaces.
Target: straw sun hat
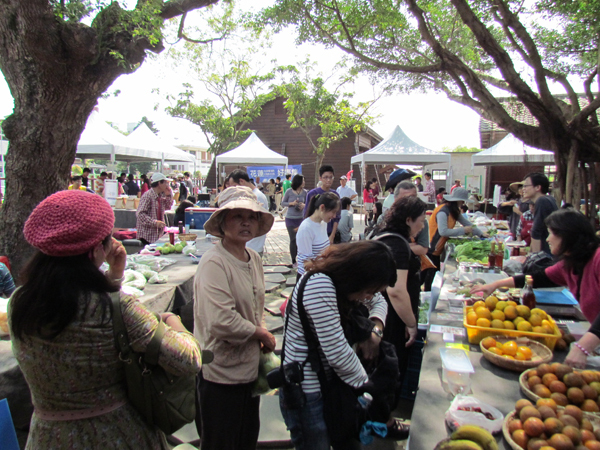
{"x":238,"y":197}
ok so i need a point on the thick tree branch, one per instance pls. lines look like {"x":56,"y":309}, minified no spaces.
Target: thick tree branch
{"x":533,"y":56}
{"x":587,"y":86}
{"x":181,"y":34}
{"x":362,"y":57}
{"x":175,"y":8}
{"x":585,"y":113}
{"x":503,"y":62}
{"x":452,"y":63}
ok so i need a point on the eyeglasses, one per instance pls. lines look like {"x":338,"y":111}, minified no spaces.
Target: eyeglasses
{"x":327,"y":178}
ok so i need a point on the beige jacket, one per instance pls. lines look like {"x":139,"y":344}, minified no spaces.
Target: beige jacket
{"x":229,"y":297}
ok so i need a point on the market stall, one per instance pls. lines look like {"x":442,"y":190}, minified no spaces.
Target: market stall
{"x":450,"y":329}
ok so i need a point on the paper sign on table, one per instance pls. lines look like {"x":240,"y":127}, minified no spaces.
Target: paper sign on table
{"x":444,"y":329}
{"x":450,"y":317}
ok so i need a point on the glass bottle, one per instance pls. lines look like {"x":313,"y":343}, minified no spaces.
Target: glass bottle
{"x":492,"y":256}
{"x":527,"y":294}
{"x":499,"y":256}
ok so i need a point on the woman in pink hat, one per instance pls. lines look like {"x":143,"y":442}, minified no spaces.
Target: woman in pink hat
{"x":62,"y":333}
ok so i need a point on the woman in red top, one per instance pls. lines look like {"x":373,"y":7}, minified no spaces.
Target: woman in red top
{"x":368,"y":201}
{"x":573,"y":241}
{"x":145,"y":183}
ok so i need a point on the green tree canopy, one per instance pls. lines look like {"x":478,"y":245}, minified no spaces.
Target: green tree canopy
{"x":475,"y":52}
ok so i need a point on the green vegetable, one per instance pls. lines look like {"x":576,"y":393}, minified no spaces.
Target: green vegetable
{"x":475,"y":250}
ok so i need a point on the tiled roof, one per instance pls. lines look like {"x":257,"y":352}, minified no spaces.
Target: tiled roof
{"x":518,"y":111}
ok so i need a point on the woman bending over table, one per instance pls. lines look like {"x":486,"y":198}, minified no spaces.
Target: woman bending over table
{"x":573,"y":241}
{"x":342,"y":276}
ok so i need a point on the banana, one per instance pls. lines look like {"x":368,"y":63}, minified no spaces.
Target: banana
{"x":462,"y":444}
{"x":476,"y":434}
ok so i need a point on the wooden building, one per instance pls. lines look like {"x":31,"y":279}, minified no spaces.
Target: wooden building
{"x":273,"y":129}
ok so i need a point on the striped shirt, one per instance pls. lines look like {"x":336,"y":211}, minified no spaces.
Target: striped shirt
{"x":311,"y":241}
{"x":320,"y":303}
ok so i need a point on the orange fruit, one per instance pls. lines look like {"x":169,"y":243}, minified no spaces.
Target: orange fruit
{"x":508,"y":325}
{"x":549,"y":378}
{"x":510,"y":312}
{"x":510,"y":348}
{"x":483,"y":313}
{"x":523,"y":311}
{"x":547,"y":402}
{"x":520,"y":437}
{"x":495,"y":351}
{"x":488,"y":342}
{"x":499,"y":315}
{"x":535,"y":320}
{"x":498,"y":324}
{"x":533,"y":426}
{"x":472,"y":318}
{"x":520,"y":356}
{"x":511,"y":303}
{"x":522,"y":403}
{"x":478,"y":304}
{"x":491,"y":302}
{"x":501,"y":305}
{"x":524,"y":326}
{"x":484,"y":323}
{"x":508,"y":356}
{"x":526,"y":351}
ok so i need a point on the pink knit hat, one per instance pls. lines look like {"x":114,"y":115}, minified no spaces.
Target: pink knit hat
{"x":69,"y":223}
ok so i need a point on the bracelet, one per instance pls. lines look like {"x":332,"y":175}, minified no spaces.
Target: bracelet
{"x":580,"y":347}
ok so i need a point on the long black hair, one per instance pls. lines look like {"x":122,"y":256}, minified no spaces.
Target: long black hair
{"x":52,"y":290}
{"x":454,"y":209}
{"x":330,"y":200}
{"x":578,"y":238}
{"x":403,"y":209}
{"x":355,"y":267}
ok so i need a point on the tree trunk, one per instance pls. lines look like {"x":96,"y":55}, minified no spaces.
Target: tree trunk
{"x":319,"y":163}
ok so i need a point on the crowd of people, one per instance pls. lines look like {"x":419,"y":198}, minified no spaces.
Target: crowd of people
{"x":62,"y":309}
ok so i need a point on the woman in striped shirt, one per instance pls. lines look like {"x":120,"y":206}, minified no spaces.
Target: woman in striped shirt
{"x":312,"y":236}
{"x":341,"y":277}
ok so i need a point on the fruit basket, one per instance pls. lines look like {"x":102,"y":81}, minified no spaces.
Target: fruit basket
{"x":595,"y":421}
{"x":477,"y":333}
{"x":187,"y":237}
{"x":560,"y":391}
{"x":541,"y":354}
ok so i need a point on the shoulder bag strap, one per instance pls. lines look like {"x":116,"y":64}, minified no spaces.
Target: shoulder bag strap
{"x":153,"y":348}
{"x":311,"y":339}
{"x":388,"y":234}
{"x":119,"y":330}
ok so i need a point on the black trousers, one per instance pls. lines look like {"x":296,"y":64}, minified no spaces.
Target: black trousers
{"x":292,"y":232}
{"x":228,"y":416}
{"x":429,"y":274}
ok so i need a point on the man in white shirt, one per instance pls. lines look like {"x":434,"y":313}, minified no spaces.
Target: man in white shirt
{"x":429,"y":188}
{"x":346,"y":191}
{"x":240,"y":178}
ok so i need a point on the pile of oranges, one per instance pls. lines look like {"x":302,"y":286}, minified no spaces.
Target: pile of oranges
{"x":508,"y":315}
{"x":509,"y":350}
{"x":545,"y":426}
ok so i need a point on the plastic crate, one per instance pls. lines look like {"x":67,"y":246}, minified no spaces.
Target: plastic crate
{"x":200,"y":216}
{"x":410,"y":384}
{"x":476,"y":334}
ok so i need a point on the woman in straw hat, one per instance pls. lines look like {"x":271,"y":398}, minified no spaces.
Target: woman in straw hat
{"x":442,"y":225}
{"x":62,"y":333}
{"x":229,"y":295}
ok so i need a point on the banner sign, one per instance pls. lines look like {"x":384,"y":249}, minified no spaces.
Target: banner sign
{"x":267,"y":172}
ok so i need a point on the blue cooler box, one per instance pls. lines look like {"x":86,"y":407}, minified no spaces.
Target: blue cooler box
{"x":200,"y":215}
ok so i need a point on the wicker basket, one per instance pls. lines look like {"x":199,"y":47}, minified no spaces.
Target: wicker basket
{"x":541,"y":354}
{"x":534,"y":397}
{"x":512,"y":415}
{"x":187,"y":237}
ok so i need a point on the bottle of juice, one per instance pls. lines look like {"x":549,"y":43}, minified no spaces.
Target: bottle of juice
{"x":527,"y":294}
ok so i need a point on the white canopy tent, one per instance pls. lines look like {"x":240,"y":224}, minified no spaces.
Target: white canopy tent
{"x":143,"y":137}
{"x":398,"y":148}
{"x":100,"y":140}
{"x":251,"y":152}
{"x":511,"y":150}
